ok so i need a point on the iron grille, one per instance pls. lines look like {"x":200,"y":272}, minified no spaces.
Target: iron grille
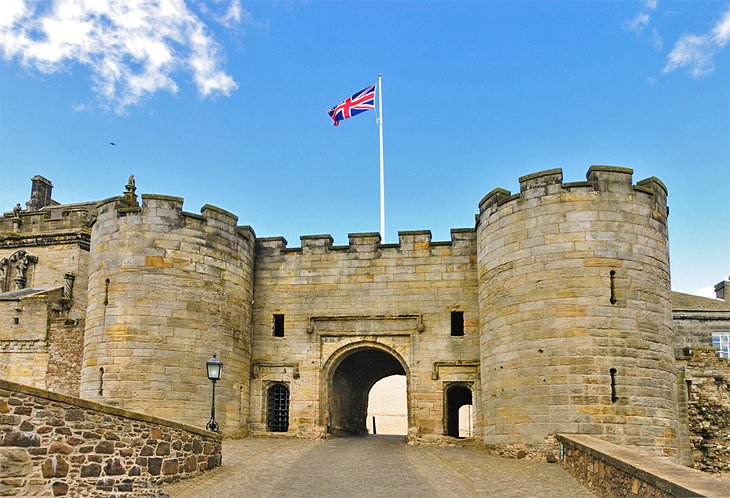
{"x":278,"y":406}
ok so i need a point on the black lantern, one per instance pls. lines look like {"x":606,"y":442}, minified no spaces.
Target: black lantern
{"x":215,"y":370}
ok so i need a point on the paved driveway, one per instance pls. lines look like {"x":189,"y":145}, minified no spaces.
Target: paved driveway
{"x":371,"y":467}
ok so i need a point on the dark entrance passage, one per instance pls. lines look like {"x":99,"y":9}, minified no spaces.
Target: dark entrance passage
{"x":351,"y":383}
{"x":457,"y":395}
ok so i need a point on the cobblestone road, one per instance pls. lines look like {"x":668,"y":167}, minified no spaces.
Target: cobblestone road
{"x":371,"y":467}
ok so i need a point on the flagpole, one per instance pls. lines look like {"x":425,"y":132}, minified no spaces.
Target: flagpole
{"x":382,"y":175}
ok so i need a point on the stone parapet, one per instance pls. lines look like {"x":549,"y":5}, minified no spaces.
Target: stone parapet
{"x":613,"y":471}
{"x":369,"y":242}
{"x":56,"y":445}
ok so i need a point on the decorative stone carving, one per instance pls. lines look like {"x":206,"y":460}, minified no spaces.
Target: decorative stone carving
{"x":130,"y":195}
{"x":17,"y":264}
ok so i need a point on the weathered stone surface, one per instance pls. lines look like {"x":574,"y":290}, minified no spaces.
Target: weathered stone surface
{"x":154,"y":465}
{"x":58,"y":447}
{"x":170,"y":466}
{"x":114,"y":467}
{"x":104,"y":447}
{"x":14,"y":462}
{"x":55,"y":466}
{"x":21,"y":439}
{"x":59,"y":488}
{"x":91,"y":470}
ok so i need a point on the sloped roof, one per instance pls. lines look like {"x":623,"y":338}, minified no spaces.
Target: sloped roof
{"x":690,"y":302}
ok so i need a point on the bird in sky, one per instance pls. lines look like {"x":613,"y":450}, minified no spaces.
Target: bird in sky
{"x":112,"y":143}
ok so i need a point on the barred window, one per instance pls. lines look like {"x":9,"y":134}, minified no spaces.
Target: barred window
{"x":278,"y":408}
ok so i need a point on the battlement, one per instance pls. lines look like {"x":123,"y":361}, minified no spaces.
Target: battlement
{"x":157,"y":209}
{"x":369,"y":242}
{"x":601,"y":179}
{"x":54,"y":224}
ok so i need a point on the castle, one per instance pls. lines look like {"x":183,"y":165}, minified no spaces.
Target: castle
{"x":553,"y":314}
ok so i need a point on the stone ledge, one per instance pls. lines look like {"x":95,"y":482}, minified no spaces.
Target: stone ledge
{"x":110,"y":410}
{"x":670,"y":478}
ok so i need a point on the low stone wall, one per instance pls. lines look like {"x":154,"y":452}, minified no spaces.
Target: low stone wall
{"x":615,"y":471}
{"x":57,"y":445}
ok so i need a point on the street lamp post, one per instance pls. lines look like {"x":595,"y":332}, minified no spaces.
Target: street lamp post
{"x":215,"y":369}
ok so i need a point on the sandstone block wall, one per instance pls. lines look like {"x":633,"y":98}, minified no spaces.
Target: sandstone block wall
{"x":56,"y":445}
{"x":574,"y":299}
{"x":59,"y":237}
{"x":395,"y":298}
{"x":167,"y":289}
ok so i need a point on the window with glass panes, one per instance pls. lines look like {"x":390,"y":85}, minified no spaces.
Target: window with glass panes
{"x":721,"y":340}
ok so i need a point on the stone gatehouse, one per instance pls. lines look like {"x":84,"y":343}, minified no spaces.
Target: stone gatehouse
{"x":552,"y":314}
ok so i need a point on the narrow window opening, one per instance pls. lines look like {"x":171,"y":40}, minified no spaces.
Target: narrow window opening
{"x":614,"y":398}
{"x":101,"y":382}
{"x":106,"y":292}
{"x":688,"y":383}
{"x":278,"y":325}
{"x":612,"y":274}
{"x":16,"y":320}
{"x":457,"y":323}
{"x":278,"y":408}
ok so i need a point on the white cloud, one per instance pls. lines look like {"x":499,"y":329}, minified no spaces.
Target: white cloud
{"x":706,"y":292}
{"x":132,"y":48}
{"x":656,"y":39}
{"x":697,"y":52}
{"x":650,"y":4}
{"x":721,"y":31}
{"x":638,"y":23}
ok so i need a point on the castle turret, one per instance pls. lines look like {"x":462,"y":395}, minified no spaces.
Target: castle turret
{"x":166,"y":290}
{"x":575,"y":315}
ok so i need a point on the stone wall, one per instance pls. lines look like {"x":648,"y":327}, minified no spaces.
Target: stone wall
{"x":39,"y":345}
{"x":339,"y":301}
{"x":695,"y":318}
{"x":612,"y":471}
{"x":575,"y":314}
{"x":708,"y":407}
{"x":56,"y":445}
{"x":65,"y":350}
{"x":166,"y":290}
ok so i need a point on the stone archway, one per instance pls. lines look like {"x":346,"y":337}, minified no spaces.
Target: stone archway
{"x":351,"y":373}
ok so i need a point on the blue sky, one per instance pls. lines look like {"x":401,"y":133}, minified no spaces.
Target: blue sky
{"x":225,"y":103}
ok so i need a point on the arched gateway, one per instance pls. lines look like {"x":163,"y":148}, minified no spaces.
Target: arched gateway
{"x":349,"y":374}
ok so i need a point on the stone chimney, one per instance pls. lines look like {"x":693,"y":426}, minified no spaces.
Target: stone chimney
{"x":722,"y":290}
{"x":40,"y":193}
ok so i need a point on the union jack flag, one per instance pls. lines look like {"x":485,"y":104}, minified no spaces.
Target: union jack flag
{"x":362,"y":101}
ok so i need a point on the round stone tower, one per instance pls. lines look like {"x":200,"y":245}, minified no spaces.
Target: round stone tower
{"x":575,"y":314}
{"x":166,"y":290}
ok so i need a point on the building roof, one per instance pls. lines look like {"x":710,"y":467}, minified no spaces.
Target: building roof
{"x":689,"y":302}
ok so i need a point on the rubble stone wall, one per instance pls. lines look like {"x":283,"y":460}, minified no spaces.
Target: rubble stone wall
{"x":56,"y":445}
{"x":708,"y":407}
